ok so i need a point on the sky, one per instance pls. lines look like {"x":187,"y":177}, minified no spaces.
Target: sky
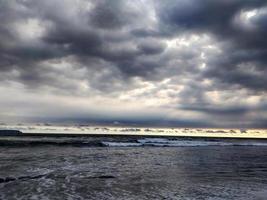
{"x":184,"y":63}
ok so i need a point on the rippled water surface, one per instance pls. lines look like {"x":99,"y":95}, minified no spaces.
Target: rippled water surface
{"x":135,"y":172}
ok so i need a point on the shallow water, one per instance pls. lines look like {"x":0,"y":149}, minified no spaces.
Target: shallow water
{"x":145,"y":172}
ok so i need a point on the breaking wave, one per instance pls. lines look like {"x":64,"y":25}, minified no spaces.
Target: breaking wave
{"x":161,"y":142}
{"x":126,"y":142}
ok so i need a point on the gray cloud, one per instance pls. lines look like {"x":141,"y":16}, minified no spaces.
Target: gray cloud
{"x":204,"y":60}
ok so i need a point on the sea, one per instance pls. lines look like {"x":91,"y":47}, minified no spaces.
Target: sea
{"x":134,"y":168}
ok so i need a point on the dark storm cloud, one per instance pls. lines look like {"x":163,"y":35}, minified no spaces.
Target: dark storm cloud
{"x":103,"y":47}
{"x":230,"y":111}
{"x":109,"y":15}
{"x":245,"y":67}
{"x":151,"y":47}
{"x":204,"y":14}
{"x":244,"y":45}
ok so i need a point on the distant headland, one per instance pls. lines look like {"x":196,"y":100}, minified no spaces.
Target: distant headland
{"x":10,"y":133}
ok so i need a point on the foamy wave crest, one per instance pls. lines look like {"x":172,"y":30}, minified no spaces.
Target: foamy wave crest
{"x":122,"y":144}
{"x":161,"y":142}
{"x":125,"y":142}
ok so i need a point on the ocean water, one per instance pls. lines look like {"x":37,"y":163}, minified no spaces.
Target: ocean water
{"x":132,"y":168}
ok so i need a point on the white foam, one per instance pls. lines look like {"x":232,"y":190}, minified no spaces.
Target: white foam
{"x":251,"y":144}
{"x":161,"y":142}
{"x":121,"y":144}
{"x":153,"y":140}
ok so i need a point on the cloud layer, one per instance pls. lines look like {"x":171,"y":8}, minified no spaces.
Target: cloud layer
{"x":174,"y":62}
